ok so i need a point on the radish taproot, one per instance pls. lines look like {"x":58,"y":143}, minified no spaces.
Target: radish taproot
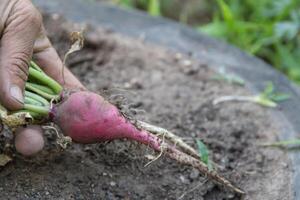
{"x":88,"y":118}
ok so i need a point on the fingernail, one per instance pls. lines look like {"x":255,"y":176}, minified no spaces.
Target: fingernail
{"x":16,"y":93}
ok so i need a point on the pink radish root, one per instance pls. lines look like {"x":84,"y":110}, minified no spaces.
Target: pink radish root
{"x":87,"y":118}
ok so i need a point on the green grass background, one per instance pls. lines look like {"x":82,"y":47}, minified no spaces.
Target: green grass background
{"x":269,"y":29}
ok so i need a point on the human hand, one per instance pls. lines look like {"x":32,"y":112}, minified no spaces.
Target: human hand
{"x":22,"y":37}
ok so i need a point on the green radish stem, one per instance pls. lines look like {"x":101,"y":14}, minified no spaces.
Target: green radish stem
{"x":42,"y":110}
{"x":45,"y":80}
{"x":35,"y":66}
{"x":43,"y":88}
{"x":31,"y":87}
{"x":32,"y":114}
{"x":37,"y":98}
{"x":31,"y":101}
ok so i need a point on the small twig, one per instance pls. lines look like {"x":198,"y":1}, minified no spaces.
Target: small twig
{"x":232,"y":98}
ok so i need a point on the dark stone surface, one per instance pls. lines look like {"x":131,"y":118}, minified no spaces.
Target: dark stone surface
{"x":186,"y":40}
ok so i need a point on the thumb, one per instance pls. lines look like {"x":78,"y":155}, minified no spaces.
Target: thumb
{"x":21,"y":28}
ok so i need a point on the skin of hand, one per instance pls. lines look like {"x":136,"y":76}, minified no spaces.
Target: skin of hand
{"x":23,"y":37}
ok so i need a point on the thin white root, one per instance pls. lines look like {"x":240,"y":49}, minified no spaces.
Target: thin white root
{"x":170,"y":136}
{"x":232,"y":98}
{"x":155,"y":159}
{"x":162,"y":146}
{"x":51,"y":103}
{"x":176,"y":140}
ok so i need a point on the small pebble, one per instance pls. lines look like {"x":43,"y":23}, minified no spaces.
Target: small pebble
{"x":183,"y":179}
{"x":186,"y":63}
{"x":178,"y":56}
{"x":194,"y":174}
{"x":230,"y":195}
{"x":55,"y":16}
{"x":193,"y":134}
{"x":284,"y":165}
{"x":259,"y":158}
{"x":112,"y":183}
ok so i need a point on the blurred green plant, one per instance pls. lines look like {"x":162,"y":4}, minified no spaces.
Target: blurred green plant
{"x":269,"y":97}
{"x":269,"y":29}
{"x":204,"y":154}
{"x":228,"y":77}
{"x":151,"y":6}
{"x":193,"y":12}
{"x":125,"y":3}
{"x":283,"y":143}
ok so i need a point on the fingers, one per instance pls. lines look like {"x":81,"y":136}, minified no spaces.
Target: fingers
{"x":21,"y":29}
{"x":48,"y":59}
{"x":29,"y":141}
{"x":22,"y":35}
{"x":21,"y":32}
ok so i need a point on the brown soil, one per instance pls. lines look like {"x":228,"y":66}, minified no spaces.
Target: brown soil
{"x":166,"y":89}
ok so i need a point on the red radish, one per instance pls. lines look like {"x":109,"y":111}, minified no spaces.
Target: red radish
{"x":87,"y":118}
